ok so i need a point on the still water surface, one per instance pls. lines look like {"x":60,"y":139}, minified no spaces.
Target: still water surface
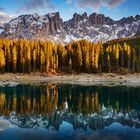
{"x":57,"y":112}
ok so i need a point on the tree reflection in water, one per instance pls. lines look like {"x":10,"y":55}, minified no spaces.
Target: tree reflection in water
{"x":49,"y":105}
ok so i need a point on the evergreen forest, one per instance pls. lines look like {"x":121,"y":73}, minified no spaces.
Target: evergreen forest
{"x":26,"y":56}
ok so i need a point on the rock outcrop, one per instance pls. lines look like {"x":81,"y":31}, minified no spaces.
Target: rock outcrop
{"x":95,"y":27}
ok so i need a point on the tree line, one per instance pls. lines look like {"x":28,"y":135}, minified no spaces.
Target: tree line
{"x":24,"y":56}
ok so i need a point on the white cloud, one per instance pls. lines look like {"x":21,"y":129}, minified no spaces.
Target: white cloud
{"x":97,"y":4}
{"x":4,"y":17}
{"x":30,"y":5}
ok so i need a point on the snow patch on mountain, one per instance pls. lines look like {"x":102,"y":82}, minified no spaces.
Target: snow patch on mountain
{"x":95,"y":27}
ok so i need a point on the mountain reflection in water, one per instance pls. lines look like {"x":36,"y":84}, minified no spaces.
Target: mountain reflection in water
{"x":70,"y":111}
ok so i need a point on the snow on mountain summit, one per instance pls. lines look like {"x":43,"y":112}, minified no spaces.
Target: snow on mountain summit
{"x":95,"y":27}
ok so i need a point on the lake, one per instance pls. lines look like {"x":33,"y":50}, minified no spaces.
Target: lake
{"x":66,"y":112}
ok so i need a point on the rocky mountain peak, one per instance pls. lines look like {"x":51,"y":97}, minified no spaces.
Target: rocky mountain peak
{"x":127,"y":20}
{"x":56,"y":24}
{"x":95,"y":27}
{"x":137,"y":17}
{"x":84,"y":15}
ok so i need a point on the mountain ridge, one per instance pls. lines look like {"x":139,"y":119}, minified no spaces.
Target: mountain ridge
{"x":95,"y":27}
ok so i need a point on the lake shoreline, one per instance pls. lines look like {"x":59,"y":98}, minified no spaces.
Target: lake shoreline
{"x":105,"y":79}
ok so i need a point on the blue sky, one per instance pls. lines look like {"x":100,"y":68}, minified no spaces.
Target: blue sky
{"x":116,"y":9}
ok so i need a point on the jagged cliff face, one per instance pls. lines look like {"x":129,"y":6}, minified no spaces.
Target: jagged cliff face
{"x":34,"y":26}
{"x":95,"y":27}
